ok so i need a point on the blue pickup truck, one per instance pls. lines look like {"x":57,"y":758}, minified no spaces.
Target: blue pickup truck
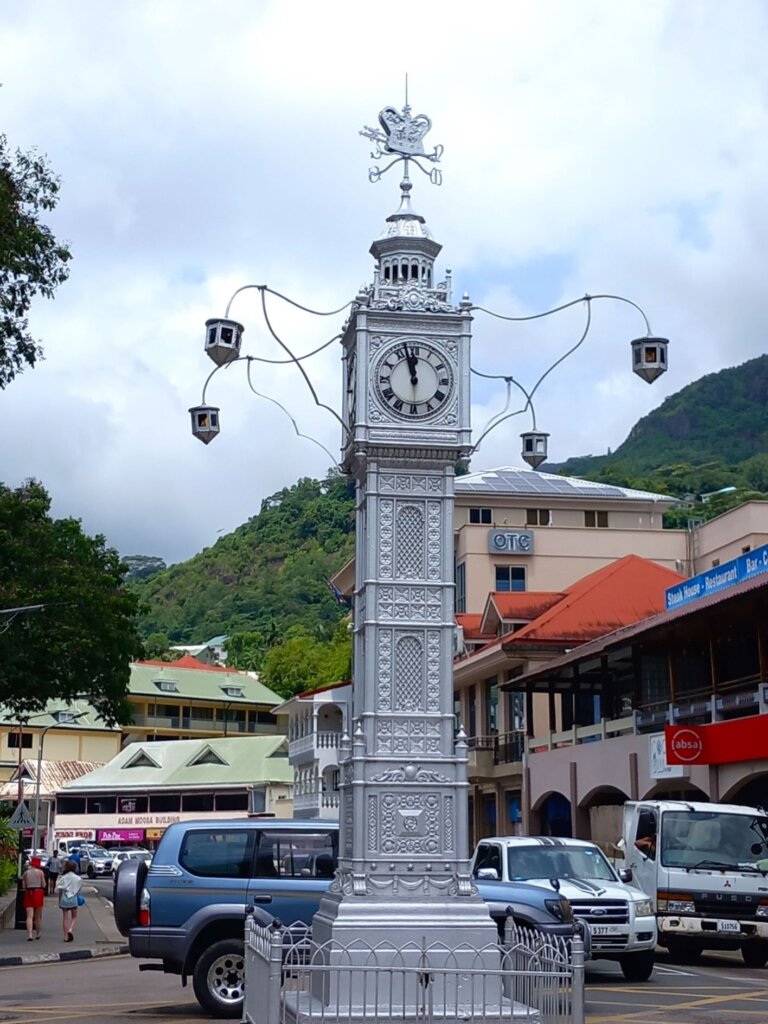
{"x":185,"y":914}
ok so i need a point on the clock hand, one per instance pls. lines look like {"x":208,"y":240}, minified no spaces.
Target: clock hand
{"x":412,"y":359}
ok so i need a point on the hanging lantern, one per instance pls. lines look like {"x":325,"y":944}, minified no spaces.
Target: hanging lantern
{"x":534,"y":447}
{"x":649,"y":357}
{"x":205,"y":422}
{"x":222,"y":340}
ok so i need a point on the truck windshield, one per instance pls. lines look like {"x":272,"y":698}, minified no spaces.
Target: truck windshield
{"x":712,"y":839}
{"x":526,"y":862}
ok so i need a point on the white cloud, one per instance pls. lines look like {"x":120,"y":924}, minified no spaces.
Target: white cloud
{"x":591,"y":147}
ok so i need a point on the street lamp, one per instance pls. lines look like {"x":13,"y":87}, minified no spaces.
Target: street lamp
{"x":64,"y":717}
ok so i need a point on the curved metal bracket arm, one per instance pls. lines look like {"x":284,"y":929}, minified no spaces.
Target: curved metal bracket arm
{"x":567,"y":305}
{"x":268,"y":398}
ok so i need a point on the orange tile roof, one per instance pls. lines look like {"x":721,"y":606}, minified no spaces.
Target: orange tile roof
{"x":188,"y":661}
{"x":619,"y":594}
{"x":471,"y":624}
{"x":524,"y":604}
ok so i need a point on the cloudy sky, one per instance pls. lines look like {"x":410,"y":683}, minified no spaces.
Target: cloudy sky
{"x":589,"y":147}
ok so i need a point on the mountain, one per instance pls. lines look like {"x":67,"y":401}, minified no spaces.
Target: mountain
{"x":269,"y":574}
{"x":720,"y":417}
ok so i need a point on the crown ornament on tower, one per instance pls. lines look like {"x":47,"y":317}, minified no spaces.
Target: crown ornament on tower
{"x":402,"y":134}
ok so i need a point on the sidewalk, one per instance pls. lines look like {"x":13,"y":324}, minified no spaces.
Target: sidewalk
{"x":95,"y":935}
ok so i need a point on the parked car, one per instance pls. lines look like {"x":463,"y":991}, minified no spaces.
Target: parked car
{"x":621,"y":920}
{"x":186,"y":912}
{"x":119,"y":855}
{"x":94,"y":860}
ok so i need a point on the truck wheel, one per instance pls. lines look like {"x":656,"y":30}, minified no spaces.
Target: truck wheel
{"x":219,"y":979}
{"x":129,"y":881}
{"x":755,"y":953}
{"x":637,"y":966}
{"x":684,"y":951}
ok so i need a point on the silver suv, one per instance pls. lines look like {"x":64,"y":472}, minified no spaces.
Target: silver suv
{"x":95,"y":861}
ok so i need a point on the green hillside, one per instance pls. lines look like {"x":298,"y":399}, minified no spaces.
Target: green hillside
{"x":711,"y":435}
{"x":721,"y":416}
{"x":266,"y":576}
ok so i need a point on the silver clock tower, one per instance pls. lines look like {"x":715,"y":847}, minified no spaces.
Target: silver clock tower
{"x":403,"y":868}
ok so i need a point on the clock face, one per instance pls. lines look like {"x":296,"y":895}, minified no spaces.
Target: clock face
{"x":413,"y":378}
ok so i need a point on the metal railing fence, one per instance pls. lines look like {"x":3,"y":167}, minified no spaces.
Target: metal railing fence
{"x":530,"y":978}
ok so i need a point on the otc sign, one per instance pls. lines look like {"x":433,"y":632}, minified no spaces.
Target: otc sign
{"x":510,"y":542}
{"x":753,"y":563}
{"x":744,"y":739}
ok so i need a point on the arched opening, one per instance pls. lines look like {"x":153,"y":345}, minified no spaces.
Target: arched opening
{"x":552,"y":816}
{"x":604,"y":809}
{"x":751,"y":792}
{"x":679,"y":789}
{"x":329,"y":719}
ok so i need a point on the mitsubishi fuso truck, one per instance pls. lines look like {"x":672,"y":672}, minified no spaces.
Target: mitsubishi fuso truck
{"x":705,"y":867}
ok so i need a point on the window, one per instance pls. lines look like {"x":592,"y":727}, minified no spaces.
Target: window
{"x":481,"y":515}
{"x":101,"y":805}
{"x":461,"y":587}
{"x":233,"y":691}
{"x":163,"y":803}
{"x":491,"y":704}
{"x":197,"y":802}
{"x":232,"y":801}
{"x":510,"y":577}
{"x":514,"y":807}
{"x":746,"y":550}
{"x":300,"y":854}
{"x":70,"y":805}
{"x":26,"y":740}
{"x":218,"y":853}
{"x":132,"y":804}
{"x":596,"y":519}
{"x":167,"y":685}
{"x":488,"y":856}
{"x":264,"y":718}
{"x":715,"y":562}
{"x":537,"y":517}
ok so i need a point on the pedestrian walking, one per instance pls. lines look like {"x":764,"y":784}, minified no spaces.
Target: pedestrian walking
{"x":33,"y":883}
{"x":53,"y":868}
{"x":68,"y":887}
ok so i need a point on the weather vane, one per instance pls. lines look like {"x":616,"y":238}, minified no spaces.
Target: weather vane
{"x":403,"y":135}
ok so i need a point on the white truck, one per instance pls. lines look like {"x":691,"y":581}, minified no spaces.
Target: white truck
{"x":705,"y":867}
{"x":620,"y":916}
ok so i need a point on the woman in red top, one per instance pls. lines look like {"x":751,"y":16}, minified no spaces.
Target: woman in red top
{"x":33,"y":883}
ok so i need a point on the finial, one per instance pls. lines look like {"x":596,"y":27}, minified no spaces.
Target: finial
{"x":402,"y":135}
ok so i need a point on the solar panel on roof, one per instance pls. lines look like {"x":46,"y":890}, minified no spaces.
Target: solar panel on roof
{"x":510,"y":480}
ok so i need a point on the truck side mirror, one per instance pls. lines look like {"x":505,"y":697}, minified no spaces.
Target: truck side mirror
{"x":625,"y":874}
{"x":488,"y":874}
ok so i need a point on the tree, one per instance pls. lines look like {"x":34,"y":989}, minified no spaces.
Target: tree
{"x":31,"y":260}
{"x":302,"y":662}
{"x":81,"y":642}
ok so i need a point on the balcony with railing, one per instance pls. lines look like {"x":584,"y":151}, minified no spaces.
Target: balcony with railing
{"x":210,"y":725}
{"x":485,"y":754}
{"x":316,"y":803}
{"x":310,"y":746}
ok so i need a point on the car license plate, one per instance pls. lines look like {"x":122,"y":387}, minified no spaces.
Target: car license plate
{"x":728,"y":926}
{"x":605,"y":929}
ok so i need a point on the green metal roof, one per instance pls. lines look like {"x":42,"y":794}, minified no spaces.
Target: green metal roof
{"x":206,"y":683}
{"x":170,"y":764}
{"x":87,"y":717}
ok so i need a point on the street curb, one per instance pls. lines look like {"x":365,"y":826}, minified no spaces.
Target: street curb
{"x":69,"y":954}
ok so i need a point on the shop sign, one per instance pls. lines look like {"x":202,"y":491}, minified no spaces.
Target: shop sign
{"x":744,"y":739}
{"x":753,"y":563}
{"x":143,"y":820}
{"x":510,"y":542}
{"x":155,"y":833}
{"x":660,"y":768}
{"x":121,"y":835}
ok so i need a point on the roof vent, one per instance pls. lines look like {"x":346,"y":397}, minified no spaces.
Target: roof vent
{"x":206,"y":756}
{"x":141,"y":759}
